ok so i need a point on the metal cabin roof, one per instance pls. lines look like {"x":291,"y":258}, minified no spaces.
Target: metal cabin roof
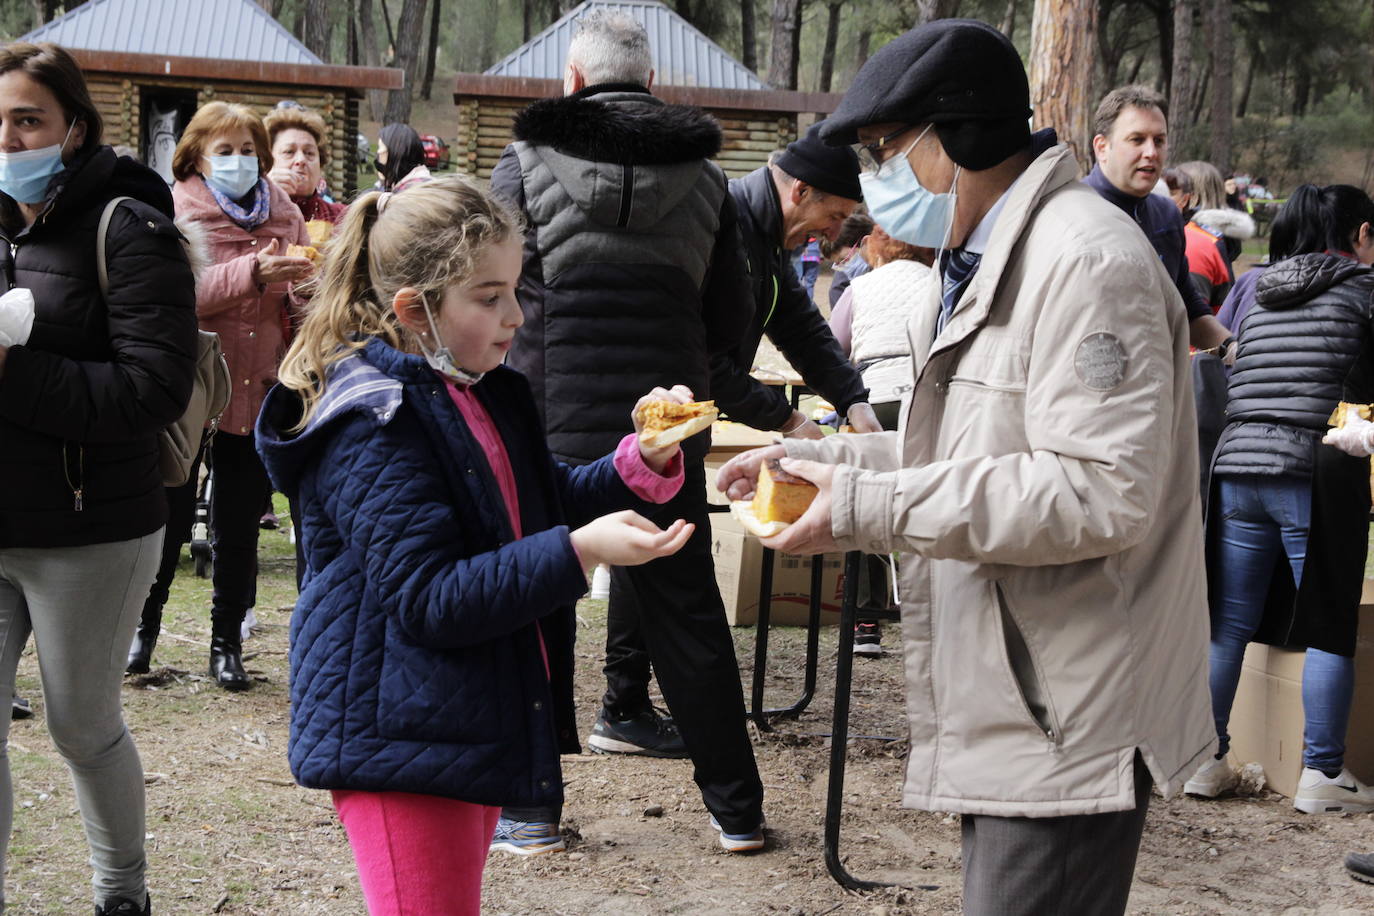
{"x":682,"y":55}
{"x":218,"y":29}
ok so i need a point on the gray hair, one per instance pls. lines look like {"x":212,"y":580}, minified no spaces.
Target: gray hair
{"x":611,"y":47}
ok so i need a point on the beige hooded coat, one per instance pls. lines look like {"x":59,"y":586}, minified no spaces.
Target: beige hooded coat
{"x":1042,"y":488}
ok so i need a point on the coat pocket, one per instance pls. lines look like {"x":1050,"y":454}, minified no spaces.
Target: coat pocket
{"x":453,"y":696}
{"x":1031,"y":685}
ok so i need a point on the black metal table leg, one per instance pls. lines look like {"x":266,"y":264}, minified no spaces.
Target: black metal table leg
{"x":756,"y":710}
{"x":839,"y":732}
{"x":813,"y":636}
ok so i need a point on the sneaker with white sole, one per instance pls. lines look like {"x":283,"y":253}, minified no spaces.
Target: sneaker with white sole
{"x":868,"y":639}
{"x":1320,"y":794}
{"x":648,"y":734}
{"x":526,"y":838}
{"x":738,"y":842}
{"x":1213,"y":778}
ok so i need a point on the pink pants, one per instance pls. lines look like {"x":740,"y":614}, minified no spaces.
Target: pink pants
{"x":417,"y":855}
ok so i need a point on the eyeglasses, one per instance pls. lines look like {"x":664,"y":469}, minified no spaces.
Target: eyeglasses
{"x":868,"y":152}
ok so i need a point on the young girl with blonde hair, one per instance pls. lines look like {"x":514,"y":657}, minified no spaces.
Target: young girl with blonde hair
{"x":431,"y":647}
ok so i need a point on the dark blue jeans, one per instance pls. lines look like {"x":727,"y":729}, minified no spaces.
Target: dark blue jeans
{"x":1264,"y":521}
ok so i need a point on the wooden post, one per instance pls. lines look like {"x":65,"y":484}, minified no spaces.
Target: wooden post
{"x":1062,"y":60}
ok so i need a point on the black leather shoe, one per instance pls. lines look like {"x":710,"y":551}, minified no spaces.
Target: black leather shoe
{"x":226,"y":663}
{"x":141,"y":651}
{"x":20,"y":708}
{"x":123,"y":906}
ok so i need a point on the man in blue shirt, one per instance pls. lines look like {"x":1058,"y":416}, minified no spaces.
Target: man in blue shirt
{"x":1131,"y":145}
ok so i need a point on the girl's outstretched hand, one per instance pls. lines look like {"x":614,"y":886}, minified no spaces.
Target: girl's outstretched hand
{"x":657,"y":458}
{"x":628,"y":539}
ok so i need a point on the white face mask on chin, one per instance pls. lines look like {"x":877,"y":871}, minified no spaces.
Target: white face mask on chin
{"x":441,"y":360}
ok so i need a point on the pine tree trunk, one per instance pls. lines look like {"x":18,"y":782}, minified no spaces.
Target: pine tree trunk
{"x":1244,"y":104}
{"x":527,"y":20}
{"x":1181,"y":86}
{"x":408,"y":33}
{"x":1223,"y":79}
{"x":1164,"y":25}
{"x":1009,"y":19}
{"x":319,"y":25}
{"x":782,"y":61}
{"x":1062,"y":61}
{"x":433,"y":51}
{"x":351,"y":51}
{"x":832,"y":35}
{"x":928,"y":10}
{"x":367,"y":27}
{"x":749,"y":39}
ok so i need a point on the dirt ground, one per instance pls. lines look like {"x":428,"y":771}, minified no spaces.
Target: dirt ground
{"x":228,"y":831}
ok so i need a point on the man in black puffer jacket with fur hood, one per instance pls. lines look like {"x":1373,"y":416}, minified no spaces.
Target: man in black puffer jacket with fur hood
{"x":634,"y":277}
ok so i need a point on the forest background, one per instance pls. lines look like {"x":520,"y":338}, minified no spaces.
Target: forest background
{"x":1277,"y":89}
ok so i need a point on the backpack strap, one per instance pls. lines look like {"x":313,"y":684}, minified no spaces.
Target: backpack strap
{"x":102,"y":267}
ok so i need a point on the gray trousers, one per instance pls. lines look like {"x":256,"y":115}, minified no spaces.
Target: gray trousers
{"x":82,"y":605}
{"x":1080,"y":865}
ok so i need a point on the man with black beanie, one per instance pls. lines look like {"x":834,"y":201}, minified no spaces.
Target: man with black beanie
{"x":809,"y":189}
{"x":1053,"y":594}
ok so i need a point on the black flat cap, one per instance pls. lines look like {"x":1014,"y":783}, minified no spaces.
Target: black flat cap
{"x":832,"y":169}
{"x":962,"y":75}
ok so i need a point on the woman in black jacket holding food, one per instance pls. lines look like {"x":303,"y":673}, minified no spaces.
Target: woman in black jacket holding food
{"x":86,"y":383}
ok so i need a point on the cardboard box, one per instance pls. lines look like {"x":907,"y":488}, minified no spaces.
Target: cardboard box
{"x":1267,"y":720}
{"x":739,"y":563}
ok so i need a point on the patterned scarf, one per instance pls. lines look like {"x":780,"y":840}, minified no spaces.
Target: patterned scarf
{"x":248,"y":220}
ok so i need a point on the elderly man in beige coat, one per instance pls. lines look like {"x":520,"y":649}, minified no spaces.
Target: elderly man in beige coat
{"x":1041,"y":488}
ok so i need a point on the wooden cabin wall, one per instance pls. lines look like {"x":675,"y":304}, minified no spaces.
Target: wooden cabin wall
{"x":117,"y":96}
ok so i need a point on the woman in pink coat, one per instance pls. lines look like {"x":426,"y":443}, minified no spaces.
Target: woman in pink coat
{"x":244,"y":296}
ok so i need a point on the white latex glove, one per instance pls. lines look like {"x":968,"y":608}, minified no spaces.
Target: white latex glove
{"x":1356,"y":437}
{"x":16,"y":317}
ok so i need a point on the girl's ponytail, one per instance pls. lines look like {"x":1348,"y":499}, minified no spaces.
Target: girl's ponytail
{"x":344,"y":311}
{"x":427,"y":238}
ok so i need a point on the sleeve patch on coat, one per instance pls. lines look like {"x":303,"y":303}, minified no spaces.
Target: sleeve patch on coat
{"x":1100,"y":361}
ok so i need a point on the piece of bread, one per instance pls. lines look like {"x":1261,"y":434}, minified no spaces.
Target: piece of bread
{"x":780,"y":497}
{"x":1338,"y":416}
{"x":303,"y":251}
{"x":663,"y":423}
{"x":320,"y":231}
{"x":743,"y":511}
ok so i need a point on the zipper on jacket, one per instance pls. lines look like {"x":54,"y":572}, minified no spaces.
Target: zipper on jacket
{"x":1024,"y":672}
{"x":77,"y":488}
{"x":979,"y":383}
{"x":627,"y":195}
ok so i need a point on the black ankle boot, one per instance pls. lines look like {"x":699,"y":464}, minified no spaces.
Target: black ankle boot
{"x":226,"y":655}
{"x":145,"y":640}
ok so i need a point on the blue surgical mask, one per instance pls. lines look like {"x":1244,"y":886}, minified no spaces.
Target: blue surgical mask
{"x":233,"y":175}
{"x":907,"y":211}
{"x":24,"y":175}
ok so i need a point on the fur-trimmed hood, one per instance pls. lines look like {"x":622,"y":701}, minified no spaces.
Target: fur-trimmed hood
{"x":1233,"y":224}
{"x":621,"y":125}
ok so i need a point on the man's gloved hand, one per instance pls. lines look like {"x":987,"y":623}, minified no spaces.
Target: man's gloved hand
{"x":862,"y":419}
{"x":1355,"y":438}
{"x":16,"y":317}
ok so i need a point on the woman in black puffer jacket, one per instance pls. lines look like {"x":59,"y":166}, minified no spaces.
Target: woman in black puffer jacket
{"x":1288,"y":520}
{"x":82,"y":398}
